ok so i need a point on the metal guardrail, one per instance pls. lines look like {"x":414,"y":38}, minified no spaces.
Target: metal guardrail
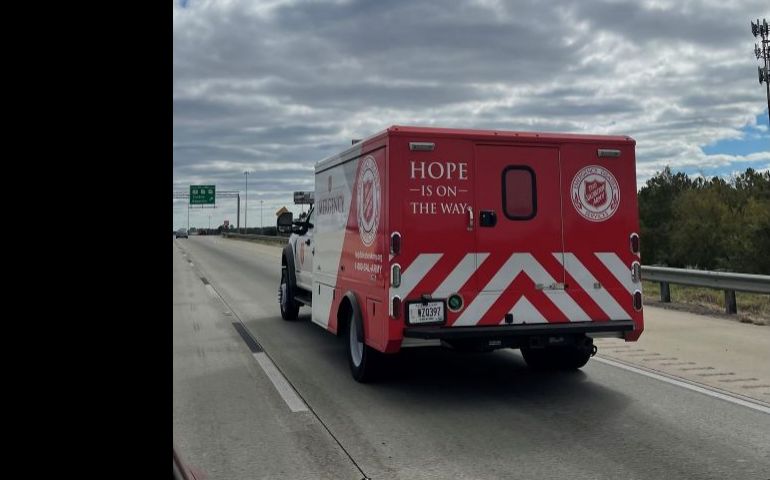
{"x":727,"y":281}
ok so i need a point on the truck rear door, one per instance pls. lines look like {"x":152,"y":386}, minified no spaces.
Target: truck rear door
{"x":518,"y":239}
{"x":599,"y":204}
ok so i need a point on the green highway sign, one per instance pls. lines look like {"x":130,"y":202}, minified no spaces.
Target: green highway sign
{"x":202,"y":194}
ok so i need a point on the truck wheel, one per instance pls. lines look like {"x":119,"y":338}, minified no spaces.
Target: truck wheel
{"x":364,"y":360}
{"x":289,"y":307}
{"x":557,"y":358}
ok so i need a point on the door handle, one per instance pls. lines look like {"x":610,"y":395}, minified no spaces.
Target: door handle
{"x":470,"y":219}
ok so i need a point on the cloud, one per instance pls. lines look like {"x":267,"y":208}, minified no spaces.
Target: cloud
{"x":275,"y":86}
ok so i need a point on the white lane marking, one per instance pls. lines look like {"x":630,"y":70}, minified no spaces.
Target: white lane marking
{"x":586,"y":281}
{"x":276,"y":377}
{"x":619,"y":270}
{"x":280,"y":383}
{"x":461,"y":273}
{"x":212,"y":292}
{"x":688,"y":386}
{"x":415,"y":272}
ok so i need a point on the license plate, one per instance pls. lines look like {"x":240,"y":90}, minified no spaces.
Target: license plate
{"x":431,"y":312}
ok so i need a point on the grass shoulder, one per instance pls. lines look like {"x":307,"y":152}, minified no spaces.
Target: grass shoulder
{"x":752,"y":307}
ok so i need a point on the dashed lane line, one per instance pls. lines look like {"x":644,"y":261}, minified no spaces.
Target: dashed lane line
{"x":292,"y":398}
{"x":282,"y":386}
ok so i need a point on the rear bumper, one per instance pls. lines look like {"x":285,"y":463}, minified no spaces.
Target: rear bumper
{"x":506,"y":331}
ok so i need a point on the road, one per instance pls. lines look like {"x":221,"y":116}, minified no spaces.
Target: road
{"x":438,"y":414}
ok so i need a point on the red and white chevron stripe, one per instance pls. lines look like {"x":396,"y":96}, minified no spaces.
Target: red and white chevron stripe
{"x":599,"y":287}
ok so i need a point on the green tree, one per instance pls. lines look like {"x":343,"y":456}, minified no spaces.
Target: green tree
{"x":707,"y":223}
{"x":752,"y":248}
{"x":656,"y":200}
{"x":704,"y":229}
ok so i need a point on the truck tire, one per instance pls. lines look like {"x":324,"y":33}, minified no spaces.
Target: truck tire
{"x":364,"y":361}
{"x":557,"y":358}
{"x":289,"y":307}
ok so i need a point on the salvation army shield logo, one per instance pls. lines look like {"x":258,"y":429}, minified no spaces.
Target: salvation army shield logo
{"x":595,"y":193}
{"x":368,"y":200}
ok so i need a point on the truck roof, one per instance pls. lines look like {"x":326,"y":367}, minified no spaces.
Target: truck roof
{"x":497,"y":134}
{"x":550,"y":137}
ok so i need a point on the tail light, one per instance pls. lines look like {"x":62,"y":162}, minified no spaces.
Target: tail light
{"x":636,"y":272}
{"x":637,"y":300}
{"x":395,"y":275}
{"x":395,"y":306}
{"x":395,"y":243}
{"x":634,"y":240}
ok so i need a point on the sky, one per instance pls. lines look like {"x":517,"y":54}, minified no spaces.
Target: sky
{"x":275,"y":86}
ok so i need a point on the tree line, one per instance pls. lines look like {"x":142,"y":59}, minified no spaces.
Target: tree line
{"x":708,"y":224}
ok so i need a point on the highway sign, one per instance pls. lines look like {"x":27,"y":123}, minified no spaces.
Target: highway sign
{"x":303,"y":198}
{"x":202,"y":194}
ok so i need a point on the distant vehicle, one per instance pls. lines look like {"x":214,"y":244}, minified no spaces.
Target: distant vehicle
{"x":181,"y":233}
{"x":475,"y":240}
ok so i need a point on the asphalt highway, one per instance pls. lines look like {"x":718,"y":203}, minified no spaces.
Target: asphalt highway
{"x":282,"y":404}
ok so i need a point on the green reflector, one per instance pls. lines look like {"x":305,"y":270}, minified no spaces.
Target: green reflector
{"x":455,"y":302}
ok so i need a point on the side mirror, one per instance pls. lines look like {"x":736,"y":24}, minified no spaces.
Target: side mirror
{"x":284,"y":222}
{"x":285,"y":219}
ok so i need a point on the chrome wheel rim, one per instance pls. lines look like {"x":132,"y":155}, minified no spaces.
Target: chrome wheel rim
{"x":356,"y":347}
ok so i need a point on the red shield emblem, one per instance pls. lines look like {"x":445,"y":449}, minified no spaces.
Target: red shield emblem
{"x":595,"y":193}
{"x":368,"y":201}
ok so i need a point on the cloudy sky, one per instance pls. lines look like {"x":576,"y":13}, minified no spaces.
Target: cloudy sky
{"x":274,"y":86}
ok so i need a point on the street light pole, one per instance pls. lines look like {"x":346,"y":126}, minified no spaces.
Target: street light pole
{"x":246,"y":205}
{"x":763,"y":31}
{"x":261,"y":223}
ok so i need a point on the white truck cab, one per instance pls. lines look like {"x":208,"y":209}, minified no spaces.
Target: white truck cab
{"x":304,"y":251}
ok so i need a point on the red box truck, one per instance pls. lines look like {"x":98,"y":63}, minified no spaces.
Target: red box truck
{"x":471,"y":239}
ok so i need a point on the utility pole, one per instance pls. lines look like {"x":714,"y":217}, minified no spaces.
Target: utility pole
{"x":246,"y":206}
{"x":238,"y":227}
{"x":261,"y":223}
{"x":763,"y":32}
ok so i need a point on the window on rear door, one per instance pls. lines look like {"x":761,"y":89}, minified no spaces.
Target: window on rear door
{"x":519,"y":192}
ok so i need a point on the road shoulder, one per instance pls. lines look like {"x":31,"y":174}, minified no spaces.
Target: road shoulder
{"x":222,"y":398}
{"x":730,"y":356}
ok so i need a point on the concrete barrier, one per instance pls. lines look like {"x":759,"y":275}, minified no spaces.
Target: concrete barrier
{"x":267,"y":239}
